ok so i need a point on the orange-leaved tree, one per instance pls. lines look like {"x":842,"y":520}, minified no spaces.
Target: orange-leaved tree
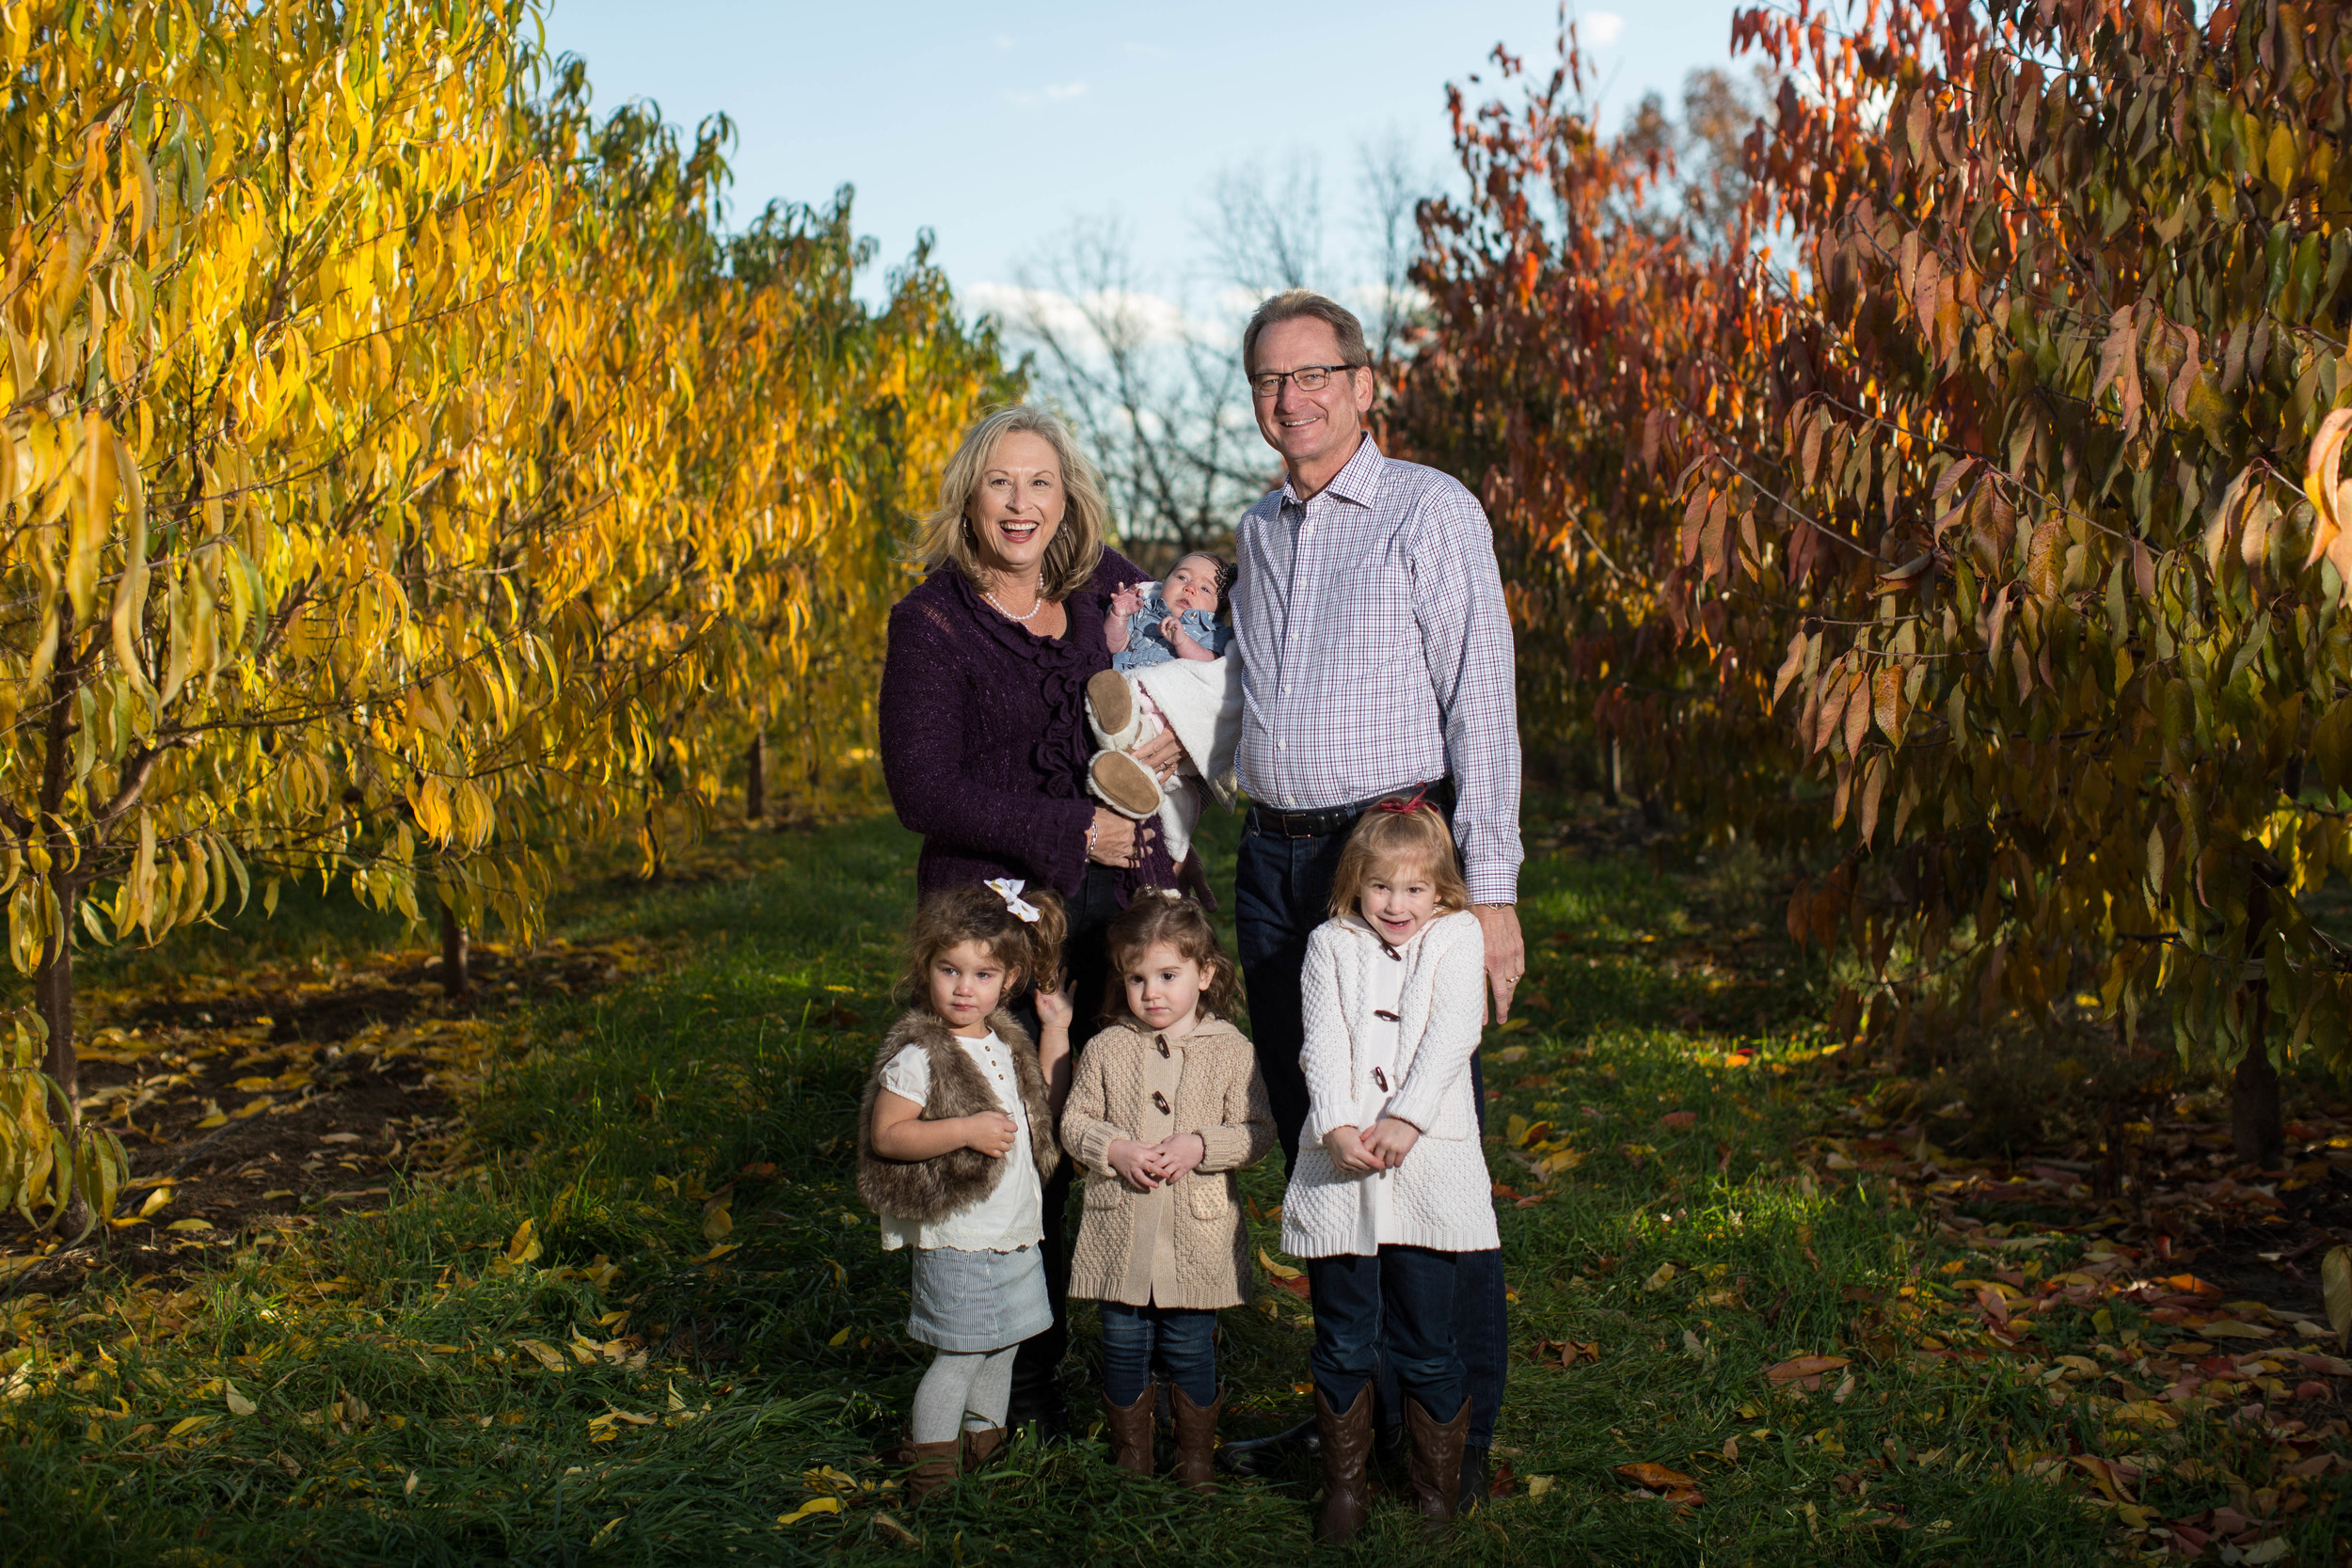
{"x":1977,"y":521}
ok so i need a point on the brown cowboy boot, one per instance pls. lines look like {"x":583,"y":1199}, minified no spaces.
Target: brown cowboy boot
{"x":1347,"y":1445}
{"x":935,"y":1466}
{"x":1195,"y":1440}
{"x":1130,"y":1433}
{"x":980,"y":1448}
{"x":1437,"y":1468}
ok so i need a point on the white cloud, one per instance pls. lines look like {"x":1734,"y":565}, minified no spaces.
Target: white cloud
{"x":1060,"y":92}
{"x":1600,"y":29}
{"x":1151,"y":318}
{"x":1002,"y":42}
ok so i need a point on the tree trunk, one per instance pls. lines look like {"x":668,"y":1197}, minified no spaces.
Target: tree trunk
{"x":53,"y":992}
{"x":2255,"y":1129}
{"x":1609,"y":763}
{"x":755,"y":779}
{"x":456,"y":972}
{"x":2254,"y":1126}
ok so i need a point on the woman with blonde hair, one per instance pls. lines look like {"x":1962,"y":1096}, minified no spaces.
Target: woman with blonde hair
{"x":984,"y":741}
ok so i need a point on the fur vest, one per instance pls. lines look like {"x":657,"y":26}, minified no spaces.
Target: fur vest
{"x":928,"y":1191}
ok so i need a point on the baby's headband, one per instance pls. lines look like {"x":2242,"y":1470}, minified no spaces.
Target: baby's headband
{"x":1009,"y":889}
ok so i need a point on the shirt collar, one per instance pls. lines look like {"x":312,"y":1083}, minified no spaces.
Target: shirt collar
{"x":1358,"y":481}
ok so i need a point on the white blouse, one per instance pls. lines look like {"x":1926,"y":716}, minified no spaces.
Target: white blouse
{"x":1013,"y":1215}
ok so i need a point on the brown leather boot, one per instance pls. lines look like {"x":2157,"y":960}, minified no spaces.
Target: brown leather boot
{"x":1437,"y":1468}
{"x":934,"y":1465}
{"x":1195,"y":1440}
{"x":980,"y":1448}
{"x":1130,"y":1433}
{"x":1347,"y":1445}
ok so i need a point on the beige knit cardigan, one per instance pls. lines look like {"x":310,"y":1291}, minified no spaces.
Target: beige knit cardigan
{"x":1220,"y":1097}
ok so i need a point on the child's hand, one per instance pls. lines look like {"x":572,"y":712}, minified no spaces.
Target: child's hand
{"x":991,"y":1132}
{"x":1127,"y":601}
{"x":1347,"y":1147}
{"x":1185,"y":644}
{"x":1138,"y":1164}
{"x":1390,"y":1140}
{"x":1182,"y":1151}
{"x":1054,"y":1009}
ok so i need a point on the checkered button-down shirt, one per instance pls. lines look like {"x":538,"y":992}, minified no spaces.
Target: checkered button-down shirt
{"x":1377,"y":654}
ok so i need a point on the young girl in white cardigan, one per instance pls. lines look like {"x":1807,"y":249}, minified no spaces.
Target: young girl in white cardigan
{"x":1391,"y":1186}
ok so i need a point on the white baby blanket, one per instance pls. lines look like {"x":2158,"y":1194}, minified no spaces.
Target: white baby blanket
{"x":1202,"y":700}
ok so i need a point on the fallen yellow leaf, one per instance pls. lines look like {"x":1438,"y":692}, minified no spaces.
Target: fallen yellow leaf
{"x":814,"y":1505}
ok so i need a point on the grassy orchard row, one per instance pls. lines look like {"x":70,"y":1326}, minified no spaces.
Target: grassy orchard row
{"x":624,"y":1324}
{"x":404,"y":479}
{"x":1960,"y":541}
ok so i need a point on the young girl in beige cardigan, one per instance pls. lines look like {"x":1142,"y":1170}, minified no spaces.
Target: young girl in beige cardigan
{"x":1166,"y":1105}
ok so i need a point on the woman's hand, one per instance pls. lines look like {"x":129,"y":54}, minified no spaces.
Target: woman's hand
{"x":1389,"y":1140}
{"x":1163,"y":753}
{"x":1119,"y":840}
{"x":990,"y":1133}
{"x":1347,"y":1147}
{"x":1183,"y":1152}
{"x":1140,"y":1165}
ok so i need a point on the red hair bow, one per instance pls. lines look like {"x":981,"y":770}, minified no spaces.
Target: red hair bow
{"x":1404,"y":808}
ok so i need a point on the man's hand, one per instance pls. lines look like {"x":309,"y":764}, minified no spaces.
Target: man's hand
{"x":1389,"y":1140}
{"x":1506,"y":953}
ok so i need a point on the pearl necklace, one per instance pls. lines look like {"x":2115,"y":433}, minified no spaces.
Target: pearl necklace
{"x":1017,"y":620}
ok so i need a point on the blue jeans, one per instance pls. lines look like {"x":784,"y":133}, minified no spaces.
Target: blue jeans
{"x":1179,"y":1343}
{"x":1396,"y":1308}
{"x":1281,"y":893}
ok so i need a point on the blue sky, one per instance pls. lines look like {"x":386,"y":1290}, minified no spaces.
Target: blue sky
{"x":995,"y":126}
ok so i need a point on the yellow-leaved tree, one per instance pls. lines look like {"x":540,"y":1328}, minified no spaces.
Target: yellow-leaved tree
{"x":388,"y":475}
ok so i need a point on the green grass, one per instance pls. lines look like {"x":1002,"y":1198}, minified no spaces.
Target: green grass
{"x":397,"y":1418}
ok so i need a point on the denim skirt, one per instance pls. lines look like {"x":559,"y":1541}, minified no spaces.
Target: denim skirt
{"x":971,"y":1302}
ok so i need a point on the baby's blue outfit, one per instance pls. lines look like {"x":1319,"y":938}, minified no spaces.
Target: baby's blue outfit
{"x":1146,"y":647}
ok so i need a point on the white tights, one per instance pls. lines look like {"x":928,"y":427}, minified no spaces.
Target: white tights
{"x":962,"y":1392}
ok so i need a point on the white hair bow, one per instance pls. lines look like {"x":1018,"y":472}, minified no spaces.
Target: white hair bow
{"x":1009,"y":889}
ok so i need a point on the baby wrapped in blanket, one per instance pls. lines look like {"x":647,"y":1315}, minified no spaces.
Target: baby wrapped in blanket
{"x":1170,"y":674}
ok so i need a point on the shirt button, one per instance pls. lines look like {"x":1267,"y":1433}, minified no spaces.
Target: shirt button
{"x":1281,"y":745}
{"x":1286,"y":691}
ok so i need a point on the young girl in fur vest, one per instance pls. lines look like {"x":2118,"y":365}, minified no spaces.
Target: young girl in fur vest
{"x":1391,"y":1185}
{"x":954,"y":1143}
{"x":1166,"y":1106}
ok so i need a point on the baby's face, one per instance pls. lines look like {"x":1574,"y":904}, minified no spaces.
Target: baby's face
{"x":1191,"y":586}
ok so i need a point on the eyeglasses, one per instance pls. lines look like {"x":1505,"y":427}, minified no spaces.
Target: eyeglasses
{"x":1307,"y":378}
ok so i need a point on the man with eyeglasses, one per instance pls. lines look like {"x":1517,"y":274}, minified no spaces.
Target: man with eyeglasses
{"x":1376,"y":660}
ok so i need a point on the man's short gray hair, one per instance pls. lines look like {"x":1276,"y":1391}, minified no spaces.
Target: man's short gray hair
{"x":1290,"y":305}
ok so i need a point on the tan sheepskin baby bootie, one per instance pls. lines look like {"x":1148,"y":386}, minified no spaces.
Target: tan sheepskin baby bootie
{"x":1112,"y":711}
{"x":1124,"y":785}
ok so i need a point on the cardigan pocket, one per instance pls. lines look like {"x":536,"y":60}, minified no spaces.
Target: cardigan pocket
{"x":1209,"y":1201}
{"x":1103,"y":1191}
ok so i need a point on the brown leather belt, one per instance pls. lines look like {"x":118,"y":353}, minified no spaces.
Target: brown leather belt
{"x":1328,"y":820}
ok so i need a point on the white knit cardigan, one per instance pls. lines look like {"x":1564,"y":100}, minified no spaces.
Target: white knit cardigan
{"x":1442,"y":1189}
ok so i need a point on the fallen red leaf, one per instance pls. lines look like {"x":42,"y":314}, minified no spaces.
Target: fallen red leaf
{"x":1296,"y":1287}
{"x":1503,"y":1481}
{"x":1657,"y":1477}
{"x":1678,"y":1119}
{"x":1803,"y":1370}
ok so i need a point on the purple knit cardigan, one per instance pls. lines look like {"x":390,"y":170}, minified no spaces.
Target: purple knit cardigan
{"x":984,"y":740}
